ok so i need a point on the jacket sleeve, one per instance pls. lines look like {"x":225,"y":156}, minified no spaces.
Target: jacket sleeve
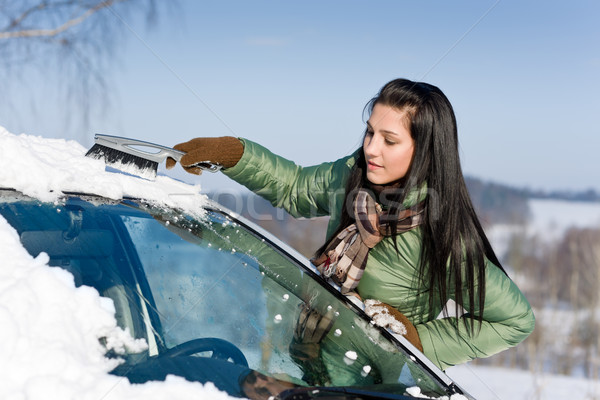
{"x":507,"y":320}
{"x":302,"y":191}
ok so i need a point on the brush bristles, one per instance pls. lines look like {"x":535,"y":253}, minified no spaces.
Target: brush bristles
{"x":123,"y":161}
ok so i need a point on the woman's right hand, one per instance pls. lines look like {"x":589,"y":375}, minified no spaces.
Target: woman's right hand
{"x":224,"y":151}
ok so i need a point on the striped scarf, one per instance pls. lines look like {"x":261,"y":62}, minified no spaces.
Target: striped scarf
{"x":345,"y":257}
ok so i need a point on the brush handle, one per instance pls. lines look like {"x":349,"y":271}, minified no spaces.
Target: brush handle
{"x":149,"y":151}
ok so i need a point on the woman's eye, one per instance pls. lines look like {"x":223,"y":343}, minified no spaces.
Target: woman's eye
{"x":388,"y":141}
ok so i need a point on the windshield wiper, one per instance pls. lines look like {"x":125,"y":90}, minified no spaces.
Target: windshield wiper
{"x":336,"y":393}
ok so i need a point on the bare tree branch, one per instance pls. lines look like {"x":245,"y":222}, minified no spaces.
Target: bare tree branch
{"x":28,"y":33}
{"x":58,"y":56}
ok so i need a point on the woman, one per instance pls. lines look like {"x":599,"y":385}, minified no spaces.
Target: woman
{"x":403,"y":231}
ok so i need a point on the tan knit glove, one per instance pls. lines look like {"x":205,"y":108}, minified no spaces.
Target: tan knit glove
{"x":225,"y":151}
{"x":387,"y":316}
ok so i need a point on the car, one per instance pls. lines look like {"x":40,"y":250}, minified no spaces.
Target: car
{"x":215,"y":297}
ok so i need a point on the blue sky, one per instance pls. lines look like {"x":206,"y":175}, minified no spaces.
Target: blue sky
{"x":523,"y":77}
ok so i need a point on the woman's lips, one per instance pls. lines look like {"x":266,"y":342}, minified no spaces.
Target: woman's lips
{"x":372,"y":166}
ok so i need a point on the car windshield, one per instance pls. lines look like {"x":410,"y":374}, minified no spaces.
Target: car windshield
{"x":215,"y":300}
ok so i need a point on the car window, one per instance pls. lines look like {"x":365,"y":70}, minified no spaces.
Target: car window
{"x":197,"y":287}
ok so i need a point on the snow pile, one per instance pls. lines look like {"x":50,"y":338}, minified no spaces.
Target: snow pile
{"x":42,"y":168}
{"x":50,"y":340}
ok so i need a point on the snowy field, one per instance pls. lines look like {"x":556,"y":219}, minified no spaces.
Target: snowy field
{"x":551,"y":218}
{"x":490,"y":383}
{"x":549,"y":222}
{"x":50,"y":329}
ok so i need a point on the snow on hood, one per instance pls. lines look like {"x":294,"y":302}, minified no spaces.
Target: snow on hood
{"x":43,"y":168}
{"x":49,"y":340}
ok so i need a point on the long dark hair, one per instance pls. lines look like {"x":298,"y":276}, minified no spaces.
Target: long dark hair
{"x":454,"y":245}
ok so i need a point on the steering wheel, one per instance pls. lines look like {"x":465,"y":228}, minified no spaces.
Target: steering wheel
{"x":221,"y":349}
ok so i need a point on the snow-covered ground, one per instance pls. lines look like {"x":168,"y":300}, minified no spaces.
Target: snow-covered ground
{"x":49,"y":332}
{"x":550,"y":219}
{"x":491,"y":383}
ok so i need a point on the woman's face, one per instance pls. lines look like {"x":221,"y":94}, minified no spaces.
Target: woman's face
{"x":388,"y":145}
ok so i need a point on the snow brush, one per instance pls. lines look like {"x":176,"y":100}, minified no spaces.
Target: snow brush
{"x":137,"y":157}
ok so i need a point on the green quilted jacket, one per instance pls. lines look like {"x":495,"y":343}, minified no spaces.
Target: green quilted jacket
{"x":390,"y":275}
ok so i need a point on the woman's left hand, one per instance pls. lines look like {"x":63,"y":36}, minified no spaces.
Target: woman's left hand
{"x":387,"y":316}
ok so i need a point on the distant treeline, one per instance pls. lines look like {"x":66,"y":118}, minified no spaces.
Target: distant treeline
{"x":494,"y":203}
{"x":498,"y":203}
{"x":589,"y":195}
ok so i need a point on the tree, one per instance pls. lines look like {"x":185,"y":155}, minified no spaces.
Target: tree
{"x":67,"y":45}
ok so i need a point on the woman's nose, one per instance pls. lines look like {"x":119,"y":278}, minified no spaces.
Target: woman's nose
{"x":371,"y":145}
